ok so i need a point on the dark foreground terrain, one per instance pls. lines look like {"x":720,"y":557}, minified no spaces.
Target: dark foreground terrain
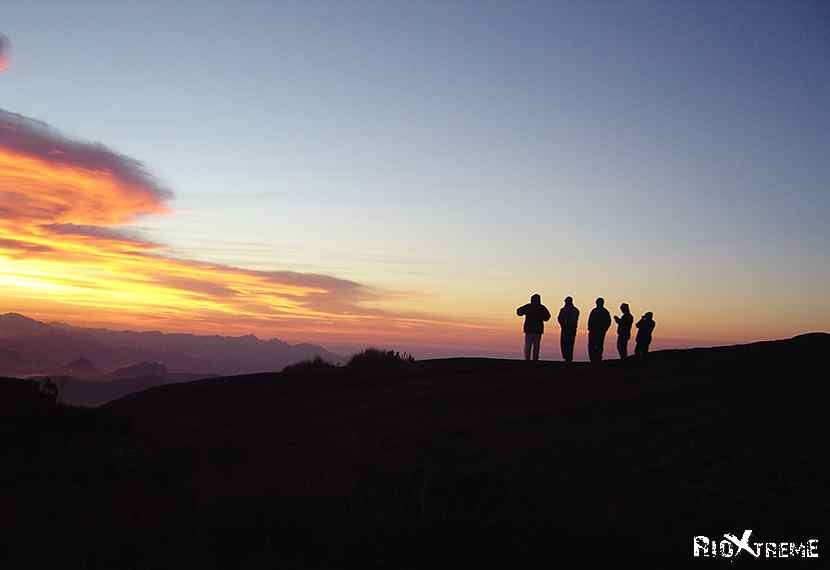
{"x":461,"y":463}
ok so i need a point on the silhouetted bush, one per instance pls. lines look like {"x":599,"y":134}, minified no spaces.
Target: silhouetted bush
{"x":313,"y":364}
{"x":48,"y":388}
{"x":375,"y":358}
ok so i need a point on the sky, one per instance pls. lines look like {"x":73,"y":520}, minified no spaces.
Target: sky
{"x":405,"y":174}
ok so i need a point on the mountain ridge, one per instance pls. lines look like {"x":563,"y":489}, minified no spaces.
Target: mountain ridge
{"x":50,"y":347}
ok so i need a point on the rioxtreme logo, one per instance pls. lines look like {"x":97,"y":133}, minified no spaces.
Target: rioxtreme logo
{"x":731,"y":546}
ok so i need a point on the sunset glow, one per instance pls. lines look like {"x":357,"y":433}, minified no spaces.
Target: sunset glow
{"x":412,"y":283}
{"x":67,"y":249}
{"x":336,"y":179}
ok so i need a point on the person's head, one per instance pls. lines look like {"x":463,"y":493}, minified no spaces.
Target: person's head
{"x":624,"y":308}
{"x":569,"y":300}
{"x":535,"y":299}
{"x":649,"y":315}
{"x":600,"y":302}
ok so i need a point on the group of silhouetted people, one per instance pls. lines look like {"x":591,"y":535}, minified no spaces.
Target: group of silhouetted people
{"x":599,"y":321}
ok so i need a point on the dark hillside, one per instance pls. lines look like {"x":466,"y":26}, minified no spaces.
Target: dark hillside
{"x":443,"y":463}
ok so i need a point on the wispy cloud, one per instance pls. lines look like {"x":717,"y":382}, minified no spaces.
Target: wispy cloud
{"x":113,"y":235}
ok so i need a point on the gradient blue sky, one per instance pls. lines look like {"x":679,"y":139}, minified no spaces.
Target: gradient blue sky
{"x":465,"y":154}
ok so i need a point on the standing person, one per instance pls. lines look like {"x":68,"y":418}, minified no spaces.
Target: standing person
{"x":645,"y":326}
{"x":568,"y":317}
{"x":624,"y":330}
{"x":598,"y":323}
{"x":535,"y":314}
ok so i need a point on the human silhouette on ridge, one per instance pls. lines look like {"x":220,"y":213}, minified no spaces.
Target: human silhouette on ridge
{"x":645,"y":327}
{"x":535,"y":314}
{"x":568,"y":318}
{"x":598,"y":323}
{"x":623,"y":330}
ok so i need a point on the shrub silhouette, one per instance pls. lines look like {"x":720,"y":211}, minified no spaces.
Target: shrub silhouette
{"x":310,"y":365}
{"x":375,"y":358}
{"x":48,"y":388}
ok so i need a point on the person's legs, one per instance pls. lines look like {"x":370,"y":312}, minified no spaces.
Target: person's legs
{"x":592,"y":346}
{"x":571,"y":343}
{"x":600,"y":346}
{"x":622,"y":346}
{"x":537,"y":342}
{"x":528,"y":341}
{"x":595,"y":346}
{"x":567,"y":344}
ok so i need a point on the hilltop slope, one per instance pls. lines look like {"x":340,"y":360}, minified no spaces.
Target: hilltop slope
{"x":459,"y":462}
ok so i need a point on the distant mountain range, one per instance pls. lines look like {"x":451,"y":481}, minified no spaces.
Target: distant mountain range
{"x":30,"y":347}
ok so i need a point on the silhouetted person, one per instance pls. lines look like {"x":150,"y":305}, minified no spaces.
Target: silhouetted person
{"x":624,"y":329}
{"x":535,"y":314}
{"x":645,"y":326}
{"x":598,"y":322}
{"x":568,"y":317}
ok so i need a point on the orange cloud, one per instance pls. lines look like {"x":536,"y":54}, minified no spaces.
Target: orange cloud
{"x":67,"y":250}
